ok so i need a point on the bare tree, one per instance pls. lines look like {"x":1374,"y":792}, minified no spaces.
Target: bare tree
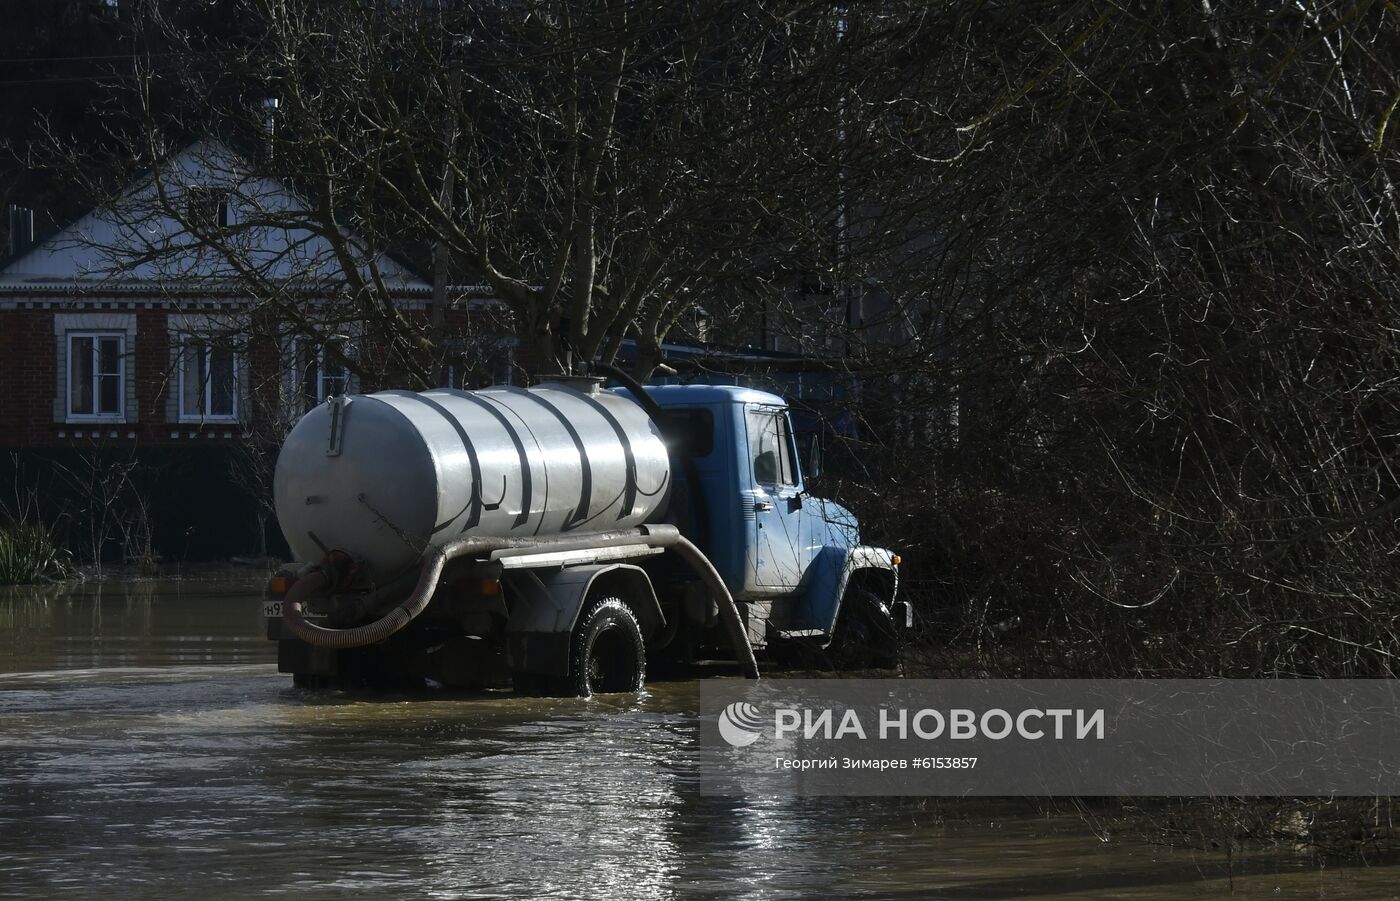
{"x":603,"y":168}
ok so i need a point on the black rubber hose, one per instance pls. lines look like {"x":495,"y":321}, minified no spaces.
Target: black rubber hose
{"x":403,"y":613}
{"x":391,"y":622}
{"x":643,"y":399}
{"x":319,"y":580}
{"x":728,"y":609}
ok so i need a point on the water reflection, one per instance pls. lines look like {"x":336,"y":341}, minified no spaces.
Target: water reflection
{"x":143,"y":622}
{"x":148,"y":748}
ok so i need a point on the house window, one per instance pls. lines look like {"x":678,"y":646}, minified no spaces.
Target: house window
{"x":208,"y":381}
{"x":96,"y":375}
{"x":320,"y":372}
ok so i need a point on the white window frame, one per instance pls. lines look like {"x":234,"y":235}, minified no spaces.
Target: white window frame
{"x":206,"y":347}
{"x":295,"y":376}
{"x":96,"y":335}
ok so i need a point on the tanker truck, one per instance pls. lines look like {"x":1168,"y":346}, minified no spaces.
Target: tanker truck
{"x":562,"y":539}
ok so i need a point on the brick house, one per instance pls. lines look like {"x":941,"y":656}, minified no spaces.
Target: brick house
{"x":122,"y":338}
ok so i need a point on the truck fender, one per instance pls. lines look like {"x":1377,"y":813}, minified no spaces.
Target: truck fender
{"x":832,"y":571}
{"x":545,"y":607}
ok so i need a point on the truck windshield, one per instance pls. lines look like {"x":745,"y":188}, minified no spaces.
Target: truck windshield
{"x":770,"y":443}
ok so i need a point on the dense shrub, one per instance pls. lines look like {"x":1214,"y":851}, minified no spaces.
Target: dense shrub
{"x":28,"y":553}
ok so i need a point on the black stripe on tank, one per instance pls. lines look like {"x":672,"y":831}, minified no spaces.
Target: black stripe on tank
{"x":473,"y":502}
{"x":527,"y":488}
{"x":629,"y":491}
{"x":585,"y":466}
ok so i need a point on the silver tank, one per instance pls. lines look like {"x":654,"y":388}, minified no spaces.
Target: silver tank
{"x":384,"y":476}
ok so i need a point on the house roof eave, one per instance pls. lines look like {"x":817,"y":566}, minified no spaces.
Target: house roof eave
{"x":74,"y":290}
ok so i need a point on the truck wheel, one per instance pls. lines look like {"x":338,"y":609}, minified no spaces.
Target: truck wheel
{"x":865,"y":634}
{"x":606,"y":653}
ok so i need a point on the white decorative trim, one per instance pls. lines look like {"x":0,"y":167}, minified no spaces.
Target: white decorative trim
{"x":63,"y":323}
{"x":100,"y":297}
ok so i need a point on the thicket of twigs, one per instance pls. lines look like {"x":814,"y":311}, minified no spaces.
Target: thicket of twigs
{"x":1160,"y":330}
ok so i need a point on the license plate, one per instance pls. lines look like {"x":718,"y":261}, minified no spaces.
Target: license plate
{"x":273,"y":610}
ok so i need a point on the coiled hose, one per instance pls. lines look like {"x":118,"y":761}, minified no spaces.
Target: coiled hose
{"x":320,"y":579}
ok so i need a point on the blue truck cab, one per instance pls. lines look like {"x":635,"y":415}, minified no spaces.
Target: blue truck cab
{"x":793,"y":560}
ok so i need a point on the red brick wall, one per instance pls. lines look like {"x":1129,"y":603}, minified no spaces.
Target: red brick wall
{"x":29,"y":379}
{"x":27,"y":376}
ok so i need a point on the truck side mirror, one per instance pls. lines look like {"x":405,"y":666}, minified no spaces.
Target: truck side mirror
{"x":813,"y":464}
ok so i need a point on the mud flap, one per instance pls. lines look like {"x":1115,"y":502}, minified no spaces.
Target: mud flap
{"x":541,"y":653}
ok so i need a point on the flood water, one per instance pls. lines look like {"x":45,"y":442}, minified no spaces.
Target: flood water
{"x":148,"y":748}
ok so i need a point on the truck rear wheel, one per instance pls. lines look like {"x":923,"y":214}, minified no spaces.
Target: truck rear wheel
{"x":607,"y":653}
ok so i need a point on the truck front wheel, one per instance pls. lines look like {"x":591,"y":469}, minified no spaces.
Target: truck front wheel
{"x":607,"y":653}
{"x":865,"y":635}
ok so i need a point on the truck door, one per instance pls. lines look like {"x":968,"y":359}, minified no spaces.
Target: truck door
{"x":777,"y":500}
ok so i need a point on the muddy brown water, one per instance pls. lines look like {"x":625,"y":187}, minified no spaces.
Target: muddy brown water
{"x":148,"y":748}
